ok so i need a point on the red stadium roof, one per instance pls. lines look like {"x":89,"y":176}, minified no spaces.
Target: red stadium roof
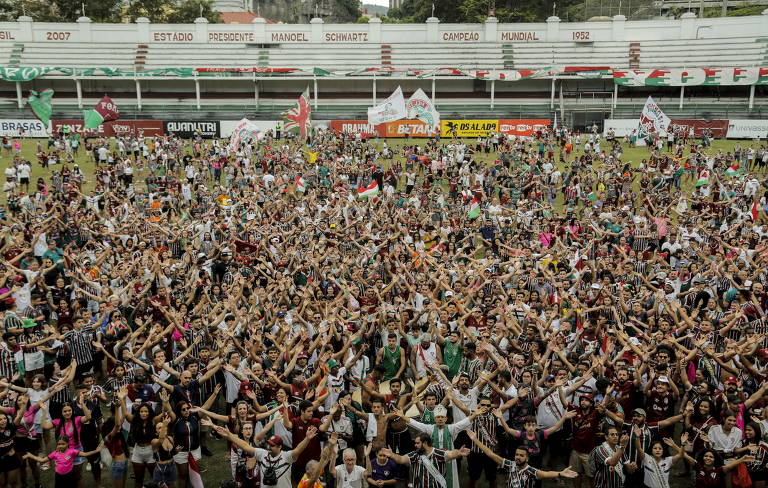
{"x":240,"y":17}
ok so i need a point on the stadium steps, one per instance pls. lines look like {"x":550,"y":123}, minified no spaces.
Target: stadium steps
{"x":386,"y":55}
{"x":141,"y":57}
{"x":634,"y":55}
{"x":263,"y":58}
{"x":725,"y":52}
{"x":508,"y":55}
{"x":764,"y":41}
{"x":16,"y":51}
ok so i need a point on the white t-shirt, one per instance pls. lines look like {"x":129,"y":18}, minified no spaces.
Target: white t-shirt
{"x":656,"y":474}
{"x":345,"y":479}
{"x":280,"y":463}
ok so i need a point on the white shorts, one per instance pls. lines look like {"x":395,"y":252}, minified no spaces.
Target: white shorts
{"x":142,"y":455}
{"x":182,"y":457}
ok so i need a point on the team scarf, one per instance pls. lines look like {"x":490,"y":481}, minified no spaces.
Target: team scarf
{"x":447,"y":444}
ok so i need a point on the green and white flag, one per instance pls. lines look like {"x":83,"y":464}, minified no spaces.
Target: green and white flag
{"x":474,"y":208}
{"x":41,"y":104}
{"x":104,"y":111}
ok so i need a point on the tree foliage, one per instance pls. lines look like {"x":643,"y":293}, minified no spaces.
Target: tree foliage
{"x":157,"y":11}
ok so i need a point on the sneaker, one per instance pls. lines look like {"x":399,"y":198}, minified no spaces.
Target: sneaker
{"x":206,"y":452}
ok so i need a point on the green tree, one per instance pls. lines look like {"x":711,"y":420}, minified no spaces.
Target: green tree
{"x":155,"y":10}
{"x":96,"y":10}
{"x":186,"y":12}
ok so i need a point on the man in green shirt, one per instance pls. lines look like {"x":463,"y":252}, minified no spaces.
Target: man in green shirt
{"x":392,"y":358}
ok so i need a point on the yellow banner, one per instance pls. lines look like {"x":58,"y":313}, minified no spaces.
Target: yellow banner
{"x":468,"y":128}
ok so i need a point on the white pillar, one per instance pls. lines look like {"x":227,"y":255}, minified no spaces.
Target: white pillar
{"x":751,"y":97}
{"x":434,"y":102}
{"x":138,"y":94}
{"x":374,"y":89}
{"x":18,"y":94}
{"x":615,"y":94}
{"x":552,"y":94}
{"x":493,"y":92}
{"x":682,"y":92}
{"x":79,"y":89}
{"x":197,"y":93}
{"x":256,"y":92}
{"x":314,"y":83}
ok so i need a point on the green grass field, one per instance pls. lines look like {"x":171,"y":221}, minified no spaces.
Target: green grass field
{"x":217,"y":467}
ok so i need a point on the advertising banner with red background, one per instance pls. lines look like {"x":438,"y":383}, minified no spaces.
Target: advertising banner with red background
{"x":522,"y":127}
{"x":719,"y":128}
{"x":110,"y":129}
{"x":417,"y":128}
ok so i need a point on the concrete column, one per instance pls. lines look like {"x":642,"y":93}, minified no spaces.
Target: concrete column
{"x":79,"y":89}
{"x":197,"y":93}
{"x":19,"y":99}
{"x":374,"y":30}
{"x":434,"y":101}
{"x":201,"y":29}
{"x":25,"y":26}
{"x":84,"y":25}
{"x":682,"y":94}
{"x":688,"y":25}
{"x":256,"y":92}
{"x":138,"y":93}
{"x":433,"y":34}
{"x":553,"y":28}
{"x":752,"y":97}
{"x":491,"y":29}
{"x":615,"y":94}
{"x":493,"y":92}
{"x":259,"y":25}
{"x":617,"y":27}
{"x":552,"y":94}
{"x":314,"y":83}
{"x":316,"y":26}
{"x":374,"y":89}
{"x":142,"y":30}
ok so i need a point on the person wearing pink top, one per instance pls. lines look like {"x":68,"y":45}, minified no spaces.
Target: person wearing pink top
{"x":64,"y":459}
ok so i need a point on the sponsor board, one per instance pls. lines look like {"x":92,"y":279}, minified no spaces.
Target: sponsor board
{"x":468,"y":128}
{"x":188,"y":129}
{"x":718,"y":127}
{"x":747,"y":129}
{"x":416,"y":128}
{"x":523,"y":127}
{"x":621,"y":127}
{"x":354,"y":126}
{"x":148,"y":128}
{"x":31,"y":128}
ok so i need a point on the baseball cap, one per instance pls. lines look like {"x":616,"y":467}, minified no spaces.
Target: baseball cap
{"x":426,"y":337}
{"x":275,"y":440}
{"x":640,"y":411}
{"x":245,"y":386}
{"x":731,"y":379}
{"x":332,"y":363}
{"x":589,"y":396}
{"x":662,"y":379}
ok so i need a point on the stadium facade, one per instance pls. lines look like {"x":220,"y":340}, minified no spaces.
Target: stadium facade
{"x":703,"y":69}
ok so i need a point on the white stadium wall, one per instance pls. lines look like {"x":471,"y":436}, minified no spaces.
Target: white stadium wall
{"x":375,"y":32}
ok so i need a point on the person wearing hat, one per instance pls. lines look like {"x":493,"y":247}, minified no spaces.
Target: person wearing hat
{"x":274,"y":463}
{"x":630,"y":460}
{"x":662,"y":395}
{"x":442,"y":436}
{"x":423,"y":355}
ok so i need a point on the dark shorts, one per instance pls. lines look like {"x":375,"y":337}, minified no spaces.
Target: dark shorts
{"x":9,"y":463}
{"x":23,"y":445}
{"x":478,"y":463}
{"x":24,"y":181}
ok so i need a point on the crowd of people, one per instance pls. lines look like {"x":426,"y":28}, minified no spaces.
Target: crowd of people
{"x":495,"y":311}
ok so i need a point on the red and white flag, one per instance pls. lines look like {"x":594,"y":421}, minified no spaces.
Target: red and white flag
{"x":195,"y":480}
{"x":753,"y":212}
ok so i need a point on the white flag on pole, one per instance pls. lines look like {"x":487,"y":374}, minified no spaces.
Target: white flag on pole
{"x":652,"y":119}
{"x":391,"y":109}
{"x":420,"y":107}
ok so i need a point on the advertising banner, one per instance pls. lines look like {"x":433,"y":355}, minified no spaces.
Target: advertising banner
{"x":468,"y":128}
{"x":719,"y":128}
{"x":148,"y":128}
{"x":188,"y":129}
{"x":692,"y":77}
{"x":621,"y":127}
{"x":416,"y":128}
{"x":523,"y":127}
{"x":31,"y":128}
{"x":354,"y":126}
{"x":747,"y":129}
{"x":227,"y":126}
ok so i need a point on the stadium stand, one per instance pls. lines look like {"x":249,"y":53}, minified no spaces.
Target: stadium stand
{"x":78,"y":55}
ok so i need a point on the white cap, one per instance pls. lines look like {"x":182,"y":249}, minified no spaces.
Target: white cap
{"x":440,"y":411}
